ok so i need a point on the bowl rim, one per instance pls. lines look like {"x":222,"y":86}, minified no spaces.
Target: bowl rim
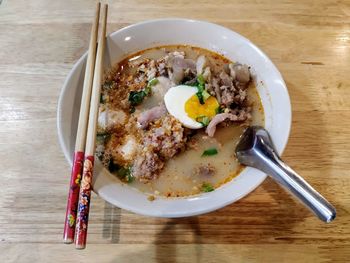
{"x":82,"y":59}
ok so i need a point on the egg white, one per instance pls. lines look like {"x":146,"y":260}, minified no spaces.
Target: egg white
{"x":175,"y":100}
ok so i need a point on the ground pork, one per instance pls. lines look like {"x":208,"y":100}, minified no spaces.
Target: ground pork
{"x":229,"y":86}
{"x":205,"y":170}
{"x":147,"y":166}
{"x":163,"y":139}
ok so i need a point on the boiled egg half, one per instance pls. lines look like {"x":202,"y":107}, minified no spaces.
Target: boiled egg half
{"x":183,"y":103}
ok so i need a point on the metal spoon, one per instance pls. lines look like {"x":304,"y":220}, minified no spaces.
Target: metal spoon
{"x":256,"y":149}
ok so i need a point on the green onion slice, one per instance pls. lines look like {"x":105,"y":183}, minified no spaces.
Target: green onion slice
{"x":210,"y":152}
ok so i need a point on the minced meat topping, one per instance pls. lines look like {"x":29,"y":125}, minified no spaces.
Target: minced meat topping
{"x":135,"y":141}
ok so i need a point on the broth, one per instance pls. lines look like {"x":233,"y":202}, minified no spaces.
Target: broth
{"x":180,"y":176}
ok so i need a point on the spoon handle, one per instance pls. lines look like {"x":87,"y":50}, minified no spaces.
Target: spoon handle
{"x":272,"y":164}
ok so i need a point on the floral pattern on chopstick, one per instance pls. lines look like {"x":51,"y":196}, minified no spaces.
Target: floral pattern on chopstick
{"x":78,"y":179}
{"x":73,"y":196}
{"x":84,"y":201}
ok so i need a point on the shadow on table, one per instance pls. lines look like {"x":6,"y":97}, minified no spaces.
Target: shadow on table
{"x":248,"y":221}
{"x":111,"y":223}
{"x":166,"y":250}
{"x":268,"y":215}
{"x":308,"y":144}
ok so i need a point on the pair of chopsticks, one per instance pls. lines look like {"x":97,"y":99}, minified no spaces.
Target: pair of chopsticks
{"x":77,"y":214}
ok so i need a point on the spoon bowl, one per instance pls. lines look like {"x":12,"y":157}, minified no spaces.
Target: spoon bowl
{"x":255,"y":148}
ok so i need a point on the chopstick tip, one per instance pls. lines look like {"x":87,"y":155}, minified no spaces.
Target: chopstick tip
{"x":79,"y":246}
{"x":68,"y":241}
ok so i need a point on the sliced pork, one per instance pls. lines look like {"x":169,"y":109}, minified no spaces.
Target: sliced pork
{"x":200,"y":64}
{"x":146,"y":117}
{"x":177,"y":66}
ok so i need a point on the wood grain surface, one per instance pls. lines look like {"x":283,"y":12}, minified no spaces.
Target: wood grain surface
{"x":309,"y":41}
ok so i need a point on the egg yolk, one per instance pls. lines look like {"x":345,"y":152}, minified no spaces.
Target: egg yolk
{"x":194,"y":109}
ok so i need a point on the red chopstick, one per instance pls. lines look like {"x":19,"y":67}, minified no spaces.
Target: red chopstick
{"x":86,"y":182}
{"x":78,"y":158}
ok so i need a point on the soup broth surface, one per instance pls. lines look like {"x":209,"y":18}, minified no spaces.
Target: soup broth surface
{"x":179,"y":176}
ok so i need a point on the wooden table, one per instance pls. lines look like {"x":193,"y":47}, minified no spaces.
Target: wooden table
{"x":310,"y":44}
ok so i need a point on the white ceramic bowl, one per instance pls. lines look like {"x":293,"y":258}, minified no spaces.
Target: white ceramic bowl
{"x":270,"y":85}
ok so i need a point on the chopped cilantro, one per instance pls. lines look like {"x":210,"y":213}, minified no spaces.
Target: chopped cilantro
{"x":153,"y":82}
{"x":210,"y":152}
{"x":136,"y":97}
{"x":199,"y":82}
{"x":147,"y":90}
{"x":200,"y":88}
{"x":219,"y":110}
{"x":202,"y":94}
{"x":204,"y":120}
{"x":200,"y":97}
{"x":205,"y":95}
{"x":123,"y":173}
{"x":129,"y":178}
{"x":200,"y":79}
{"x":206,"y":187}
